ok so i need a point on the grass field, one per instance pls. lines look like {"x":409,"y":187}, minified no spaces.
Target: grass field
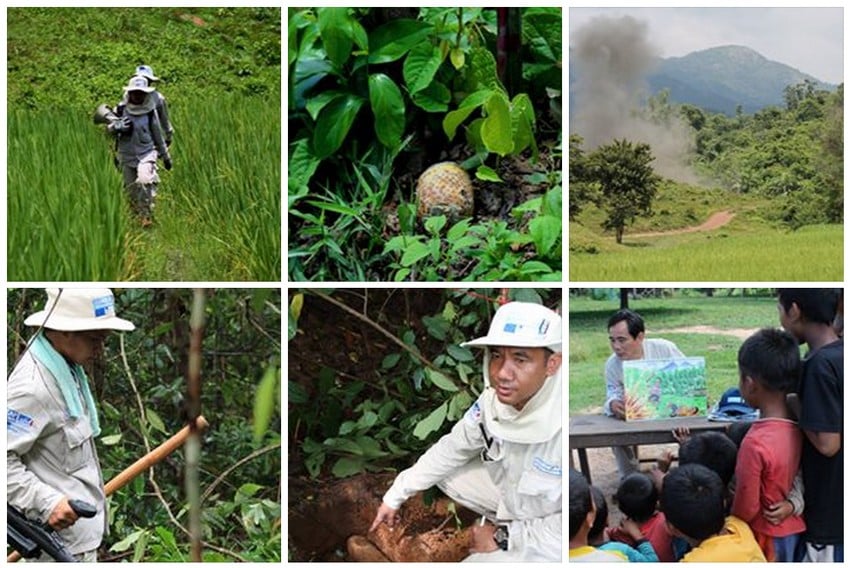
{"x":217,"y":213}
{"x":588,"y":337}
{"x":810,"y":254}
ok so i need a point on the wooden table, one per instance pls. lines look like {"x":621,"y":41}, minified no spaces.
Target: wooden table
{"x":599,"y":431}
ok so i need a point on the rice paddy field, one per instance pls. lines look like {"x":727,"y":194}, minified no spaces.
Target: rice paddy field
{"x":217,"y":215}
{"x":809,"y":254}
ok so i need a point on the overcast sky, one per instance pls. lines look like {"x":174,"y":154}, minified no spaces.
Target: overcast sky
{"x":809,"y":39}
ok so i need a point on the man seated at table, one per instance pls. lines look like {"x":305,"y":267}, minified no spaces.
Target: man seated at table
{"x":626,"y":333}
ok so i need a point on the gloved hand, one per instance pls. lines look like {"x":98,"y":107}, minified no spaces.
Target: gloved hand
{"x":122,"y":125}
{"x":167,"y":162}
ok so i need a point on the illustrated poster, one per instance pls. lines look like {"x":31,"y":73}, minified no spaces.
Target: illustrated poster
{"x":665,"y":388}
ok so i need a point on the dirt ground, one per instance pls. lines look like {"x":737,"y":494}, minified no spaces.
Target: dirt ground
{"x":715,"y":221}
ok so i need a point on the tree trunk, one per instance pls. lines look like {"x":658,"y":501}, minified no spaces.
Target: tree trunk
{"x":620,"y":231}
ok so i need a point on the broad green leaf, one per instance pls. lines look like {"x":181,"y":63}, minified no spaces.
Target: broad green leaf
{"x":433,"y":98}
{"x":545,"y":230}
{"x":487,"y":173}
{"x":441,"y":381}
{"x":265,"y":401}
{"x":522,"y":124}
{"x":393,"y":39}
{"x":496,"y":129}
{"x":128,"y":541}
{"x":457,"y":230}
{"x":529,"y":295}
{"x":436,"y":326}
{"x":141,"y":547}
{"x":458,"y":405}
{"x":435,"y":224}
{"x":110,"y":440}
{"x":335,"y":28}
{"x":432,"y":422}
{"x":333,"y":124}
{"x":302,"y":165}
{"x":155,"y":421}
{"x":459,"y":353}
{"x":347,"y":427}
{"x":316,"y":103}
{"x":420,"y":66}
{"x":535,"y":267}
{"x":388,"y":108}
{"x":415,"y":252}
{"x":454,"y":118}
{"x":347,"y":466}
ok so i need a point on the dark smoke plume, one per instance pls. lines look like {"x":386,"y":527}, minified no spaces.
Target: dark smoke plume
{"x":611,"y":58}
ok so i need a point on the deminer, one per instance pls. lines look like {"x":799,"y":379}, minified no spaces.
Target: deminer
{"x":161,"y":105}
{"x":140,"y":141}
{"x":52,"y":418}
{"x":503,"y":457}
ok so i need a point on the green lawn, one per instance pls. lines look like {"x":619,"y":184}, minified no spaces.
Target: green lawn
{"x":589,"y":349}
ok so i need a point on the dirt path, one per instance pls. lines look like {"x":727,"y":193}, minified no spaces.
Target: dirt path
{"x":740,"y":333}
{"x":716,"y":221}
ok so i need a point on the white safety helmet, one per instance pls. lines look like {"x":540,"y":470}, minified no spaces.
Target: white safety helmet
{"x":146,"y":72}
{"x":138,"y":83}
{"x":522,"y":324}
{"x":78,"y":309}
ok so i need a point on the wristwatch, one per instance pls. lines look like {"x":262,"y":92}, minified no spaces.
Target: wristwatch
{"x":501,"y":537}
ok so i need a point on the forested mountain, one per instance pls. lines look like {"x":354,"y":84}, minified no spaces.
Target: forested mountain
{"x":721,"y":78}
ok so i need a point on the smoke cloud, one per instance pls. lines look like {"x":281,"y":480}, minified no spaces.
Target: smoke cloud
{"x":611,"y":58}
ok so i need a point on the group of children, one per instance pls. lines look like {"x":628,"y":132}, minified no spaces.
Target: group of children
{"x":768,"y":490}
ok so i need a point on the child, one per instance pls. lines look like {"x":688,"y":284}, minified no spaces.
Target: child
{"x":808,"y":314}
{"x":642,"y":552}
{"x":637,"y":497}
{"x":769,"y":367}
{"x":692,"y":502}
{"x":582,"y":515}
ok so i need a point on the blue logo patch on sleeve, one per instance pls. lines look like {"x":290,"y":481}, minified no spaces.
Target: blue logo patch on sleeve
{"x":474,"y":413}
{"x":17,"y":422}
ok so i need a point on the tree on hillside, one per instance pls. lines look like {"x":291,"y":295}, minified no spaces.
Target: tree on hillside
{"x":627,"y":182}
{"x":582,"y":189}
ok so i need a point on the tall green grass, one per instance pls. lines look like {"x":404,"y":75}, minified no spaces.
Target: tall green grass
{"x":810,"y":254}
{"x":67,"y":217}
{"x":218,"y":210}
{"x":217,"y":214}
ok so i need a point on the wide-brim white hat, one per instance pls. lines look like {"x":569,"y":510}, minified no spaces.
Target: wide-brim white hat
{"x":79,"y":309}
{"x":138,"y":83}
{"x":522,"y":324}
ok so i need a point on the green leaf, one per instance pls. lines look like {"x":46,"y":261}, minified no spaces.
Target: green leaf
{"x":265,"y":401}
{"x":458,"y":405}
{"x":390,"y":361}
{"x":388,"y":108}
{"x":436,"y":326}
{"x":415,"y":252}
{"x":155,"y":421}
{"x":432,"y":422}
{"x":457,"y":231}
{"x":545,"y":230}
{"x":435,"y":224}
{"x":440,"y":381}
{"x":128,"y":541}
{"x":454,"y":118}
{"x":487,"y":173}
{"x":496,"y":129}
{"x":335,"y":29}
{"x":522,"y":124}
{"x":316,"y":103}
{"x":393,"y":39}
{"x":110,"y":440}
{"x":347,"y":427}
{"x":421,"y":65}
{"x":433,"y":98}
{"x":459,"y":353}
{"x":333,"y":124}
{"x":347,"y":466}
{"x":535,"y":267}
{"x":141,"y":547}
{"x":302,"y":165}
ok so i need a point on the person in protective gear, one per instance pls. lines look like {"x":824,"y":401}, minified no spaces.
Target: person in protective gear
{"x":140,"y":142}
{"x":161,"y":104}
{"x":52,"y":418}
{"x":503,"y":458}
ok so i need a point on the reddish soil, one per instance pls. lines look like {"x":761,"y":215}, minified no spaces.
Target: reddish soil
{"x":716,"y":221}
{"x":330,"y":520}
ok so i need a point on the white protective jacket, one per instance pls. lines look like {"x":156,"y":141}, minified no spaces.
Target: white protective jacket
{"x":50,"y":456}
{"x":523,"y":464}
